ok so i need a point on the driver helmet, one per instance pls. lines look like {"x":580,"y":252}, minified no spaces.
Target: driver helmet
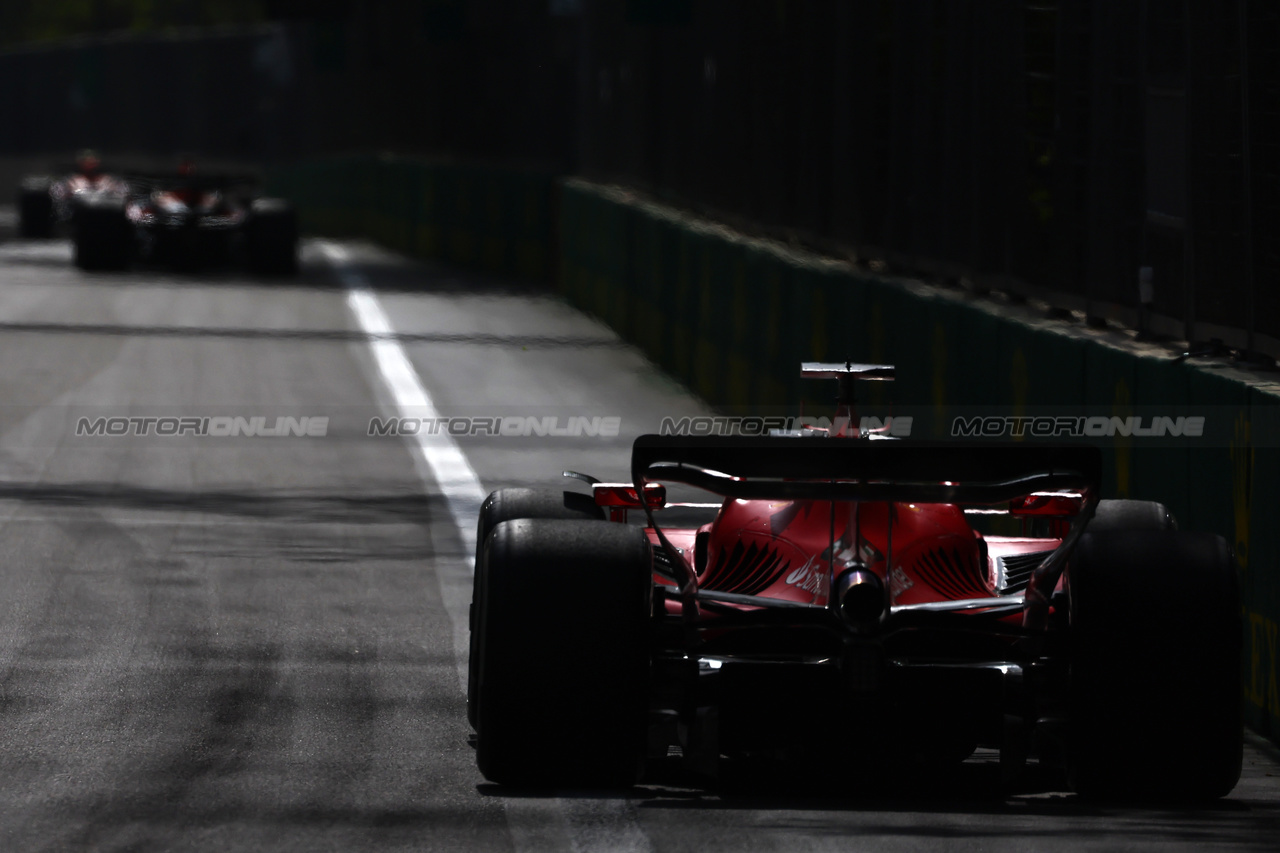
{"x":88,"y":163}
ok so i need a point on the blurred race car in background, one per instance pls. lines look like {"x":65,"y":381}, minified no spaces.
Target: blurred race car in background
{"x":184,"y":219}
{"x":46,"y":202}
{"x":854,"y":607}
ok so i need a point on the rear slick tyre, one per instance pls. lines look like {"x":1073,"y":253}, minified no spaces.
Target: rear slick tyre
{"x":509,"y":505}
{"x":271,"y":236}
{"x":103,"y":236}
{"x":35,"y":209}
{"x":1131,"y":515}
{"x":1155,"y":710}
{"x":563,"y":676}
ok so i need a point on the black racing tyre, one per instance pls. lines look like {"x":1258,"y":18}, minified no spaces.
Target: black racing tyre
{"x":35,"y":208}
{"x":103,"y":236}
{"x":1131,"y":515}
{"x":1155,"y":709}
{"x":271,"y":237}
{"x":563,"y":674}
{"x":508,"y":505}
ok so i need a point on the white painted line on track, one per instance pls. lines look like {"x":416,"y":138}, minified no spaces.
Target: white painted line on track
{"x":448,"y":466}
{"x":535,"y":824}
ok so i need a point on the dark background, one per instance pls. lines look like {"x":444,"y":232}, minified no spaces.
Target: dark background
{"x":1046,"y":149}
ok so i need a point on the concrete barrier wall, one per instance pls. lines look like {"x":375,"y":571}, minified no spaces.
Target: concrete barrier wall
{"x":496,"y":219}
{"x":732,"y":317}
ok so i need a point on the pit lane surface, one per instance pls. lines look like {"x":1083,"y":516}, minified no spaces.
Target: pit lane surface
{"x":256,"y":643}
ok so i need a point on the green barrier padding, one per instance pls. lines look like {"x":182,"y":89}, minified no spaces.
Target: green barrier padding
{"x":398,"y":203}
{"x":500,"y":220}
{"x":467,"y":235}
{"x":447,"y":217}
{"x":715,"y":269}
{"x":831,"y":326}
{"x":1218,"y":464}
{"x":1110,"y":380}
{"x":1259,"y":564}
{"x":572,"y":240}
{"x":684,"y":321}
{"x":496,"y":228}
{"x":885,"y":306}
{"x":1019,"y":355}
{"x":612,"y":260}
{"x":798,"y":344}
{"x":965,"y":372}
{"x":767,"y":273}
{"x":666,"y":284}
{"x":533,"y":235}
{"x":427,"y":237}
{"x":897,"y":327}
{"x":647,"y":315}
{"x":378,"y":209}
{"x":1155,"y":472}
{"x":954,"y":372}
{"x":1056,"y":363}
{"x":582,"y":284}
{"x":838,"y":312}
{"x":592,"y":282}
{"x":592,"y":271}
{"x":364,"y":176}
{"x":738,"y":384}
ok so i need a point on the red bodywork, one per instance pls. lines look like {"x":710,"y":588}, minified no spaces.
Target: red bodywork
{"x":779,"y":549}
{"x":851,"y":573}
{"x":184,"y":205}
{"x":925,"y":552}
{"x":65,"y":192}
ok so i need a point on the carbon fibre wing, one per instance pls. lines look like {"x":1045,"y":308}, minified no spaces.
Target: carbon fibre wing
{"x":820,"y":468}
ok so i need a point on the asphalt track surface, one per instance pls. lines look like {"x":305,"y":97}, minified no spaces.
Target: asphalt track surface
{"x":258,"y":643}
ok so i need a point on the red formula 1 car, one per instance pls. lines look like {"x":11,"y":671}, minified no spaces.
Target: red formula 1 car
{"x":187,"y":220}
{"x":46,"y":203}
{"x":845,"y":605}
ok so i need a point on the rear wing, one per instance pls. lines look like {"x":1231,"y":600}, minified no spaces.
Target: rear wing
{"x":820,"y":468}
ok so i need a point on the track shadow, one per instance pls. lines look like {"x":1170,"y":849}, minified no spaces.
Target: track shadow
{"x":393,"y":508}
{"x":391,"y":272}
{"x":965,"y":801}
{"x":334,"y":335}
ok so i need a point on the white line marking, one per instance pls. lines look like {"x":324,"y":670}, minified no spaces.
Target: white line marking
{"x":535,"y":824}
{"x":447,"y":465}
